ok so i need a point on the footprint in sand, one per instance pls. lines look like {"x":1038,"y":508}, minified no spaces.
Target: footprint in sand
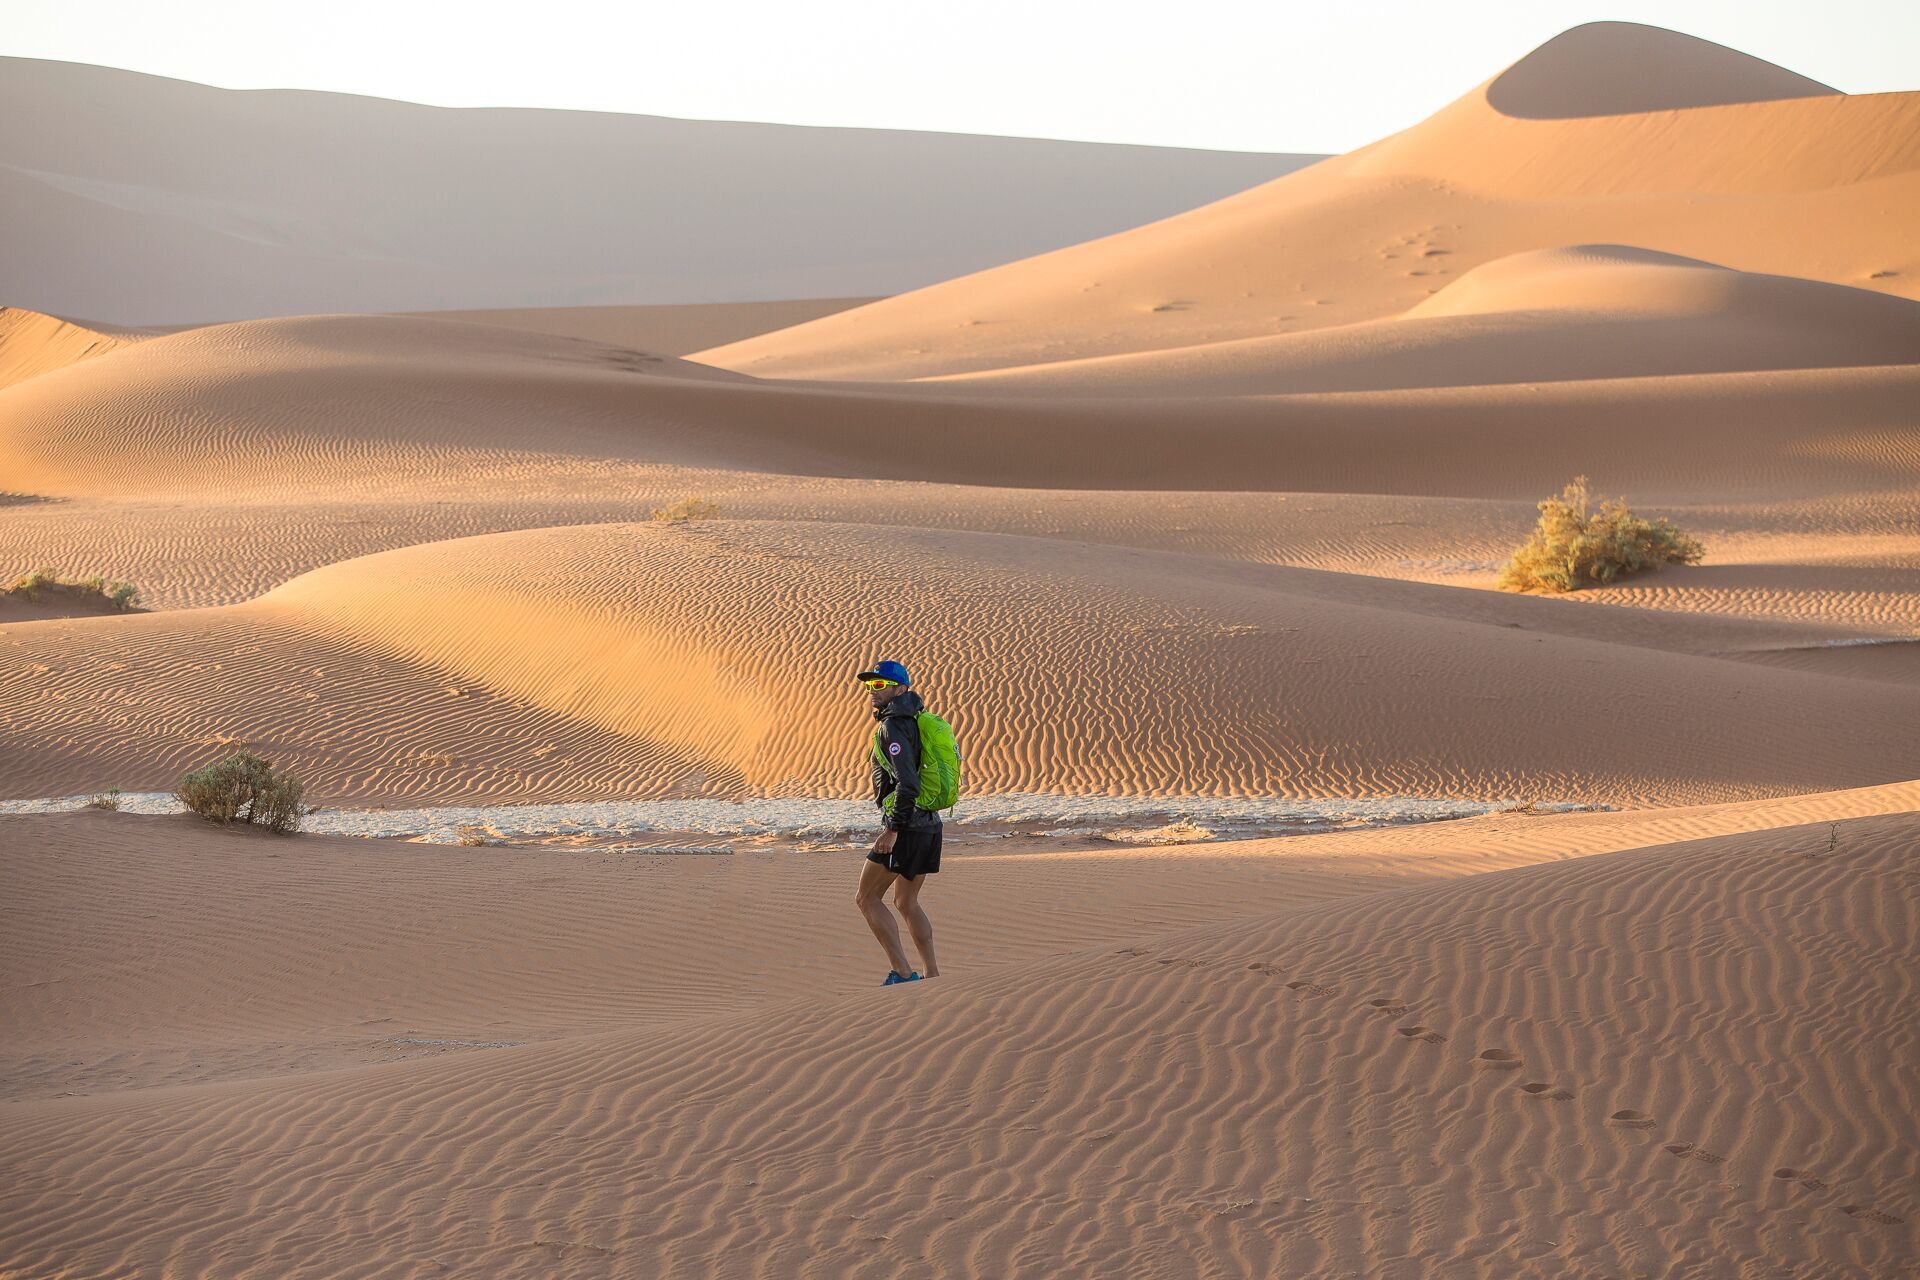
{"x":1133,"y":951}
{"x":1422,"y":1034}
{"x":1261,"y":966}
{"x":1867,"y":1213}
{"x":1687,"y":1151}
{"x":1631,"y":1119}
{"x":1802,"y":1177}
{"x":1541,"y":1089}
{"x":1497,"y":1060}
{"x":1389,"y":1007}
{"x":1309,"y":988}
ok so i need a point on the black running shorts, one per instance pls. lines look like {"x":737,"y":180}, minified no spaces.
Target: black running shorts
{"x":915,"y":853}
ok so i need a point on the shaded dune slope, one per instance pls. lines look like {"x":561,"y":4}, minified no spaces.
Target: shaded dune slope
{"x":1369,"y":234}
{"x":658,"y":660}
{"x":1679,"y":1055}
{"x":668,"y":330}
{"x":201,"y":940}
{"x":144,"y":198}
{"x":1622,"y":68}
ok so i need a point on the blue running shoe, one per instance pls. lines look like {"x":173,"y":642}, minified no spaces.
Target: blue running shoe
{"x":893,"y":977}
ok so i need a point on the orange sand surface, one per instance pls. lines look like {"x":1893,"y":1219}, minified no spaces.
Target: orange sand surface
{"x":1663,"y":1041}
{"x":1209,"y":509}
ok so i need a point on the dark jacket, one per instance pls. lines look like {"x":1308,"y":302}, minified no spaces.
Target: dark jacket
{"x":900,"y":776}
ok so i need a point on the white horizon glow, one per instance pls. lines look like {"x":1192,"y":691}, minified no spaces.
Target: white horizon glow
{"x":1226,"y":76}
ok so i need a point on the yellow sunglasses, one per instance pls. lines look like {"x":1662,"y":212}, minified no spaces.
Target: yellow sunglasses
{"x":877,"y":684}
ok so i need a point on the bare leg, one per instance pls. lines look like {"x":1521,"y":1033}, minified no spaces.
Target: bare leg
{"x":906,"y":897}
{"x":868,"y":897}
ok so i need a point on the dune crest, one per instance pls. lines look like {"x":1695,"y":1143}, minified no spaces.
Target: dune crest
{"x":1622,"y":68}
{"x":1372,"y":233}
{"x":32,"y":344}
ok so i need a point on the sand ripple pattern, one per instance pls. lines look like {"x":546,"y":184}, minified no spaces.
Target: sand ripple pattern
{"x":714,"y":659}
{"x":1694,"y":1053}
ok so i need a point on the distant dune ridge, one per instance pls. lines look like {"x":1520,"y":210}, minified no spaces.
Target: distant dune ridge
{"x":1370,"y":234}
{"x":140,"y":199}
{"x":1212,"y":507}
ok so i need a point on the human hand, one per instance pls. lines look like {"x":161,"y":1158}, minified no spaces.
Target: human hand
{"x":885,"y":843}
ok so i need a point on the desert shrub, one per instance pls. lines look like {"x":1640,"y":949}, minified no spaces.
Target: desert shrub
{"x":42,"y":582}
{"x":108,"y":799}
{"x":687,"y":508}
{"x":243,"y":786}
{"x":1573,"y":546}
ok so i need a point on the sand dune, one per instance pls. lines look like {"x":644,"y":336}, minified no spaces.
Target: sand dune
{"x":1371,"y":234}
{"x":138,"y":198}
{"x":1560,"y":315}
{"x":1621,"y":68}
{"x":365,"y":404}
{"x":668,"y":330}
{"x":31,"y":344}
{"x":659,"y":660}
{"x":300,"y":403}
{"x":1375,"y":1078}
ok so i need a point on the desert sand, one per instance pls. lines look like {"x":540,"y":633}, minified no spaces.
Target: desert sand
{"x":669,"y":330}
{"x":1204,"y":511}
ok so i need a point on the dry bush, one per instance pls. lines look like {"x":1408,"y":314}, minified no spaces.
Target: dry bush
{"x":108,"y":799}
{"x":1573,"y":547}
{"x":44,"y":582}
{"x":243,"y":786}
{"x":687,"y":508}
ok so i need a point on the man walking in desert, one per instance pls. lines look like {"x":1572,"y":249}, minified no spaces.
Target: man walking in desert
{"x":908,"y":849}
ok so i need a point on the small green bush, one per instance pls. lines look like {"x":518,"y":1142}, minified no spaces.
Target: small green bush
{"x":108,"y":799}
{"x":688,"y":508}
{"x":243,"y":786}
{"x":37,"y":584}
{"x":1574,"y":547}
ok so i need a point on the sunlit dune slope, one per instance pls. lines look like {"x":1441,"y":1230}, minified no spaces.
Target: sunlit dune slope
{"x":1370,"y":234}
{"x":1595,"y":311}
{"x":32,"y":344}
{"x":412,"y":410}
{"x":715,"y":659}
{"x":291,"y":404}
{"x":1679,"y":1058}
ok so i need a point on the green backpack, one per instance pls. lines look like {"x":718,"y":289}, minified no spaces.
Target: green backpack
{"x":939,"y":764}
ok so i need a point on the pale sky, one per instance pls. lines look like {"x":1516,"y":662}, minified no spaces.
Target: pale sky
{"x":1314,"y":76}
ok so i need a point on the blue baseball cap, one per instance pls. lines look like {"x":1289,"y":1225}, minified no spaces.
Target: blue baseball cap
{"x":888,"y":670}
